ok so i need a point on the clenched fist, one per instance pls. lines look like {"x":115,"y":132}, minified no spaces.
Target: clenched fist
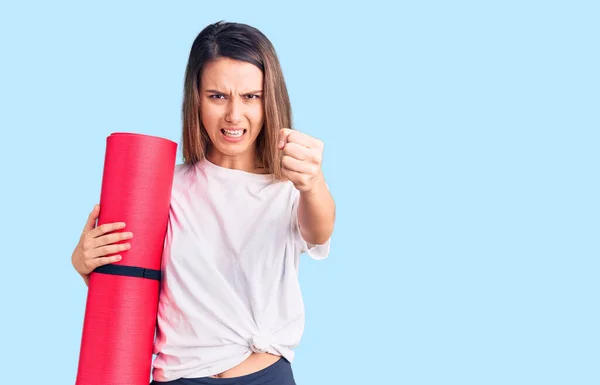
{"x":301,"y":160}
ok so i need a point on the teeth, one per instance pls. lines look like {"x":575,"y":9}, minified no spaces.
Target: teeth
{"x":234,"y":134}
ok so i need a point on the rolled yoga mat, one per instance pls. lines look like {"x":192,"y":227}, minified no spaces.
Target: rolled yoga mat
{"x":122,"y":300}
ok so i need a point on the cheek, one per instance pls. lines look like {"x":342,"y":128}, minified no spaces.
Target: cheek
{"x":210,"y":116}
{"x":257,"y":116}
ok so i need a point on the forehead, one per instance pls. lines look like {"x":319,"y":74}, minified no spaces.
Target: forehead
{"x":227,"y":74}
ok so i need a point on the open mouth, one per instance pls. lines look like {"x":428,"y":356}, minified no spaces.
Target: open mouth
{"x":233,"y":134}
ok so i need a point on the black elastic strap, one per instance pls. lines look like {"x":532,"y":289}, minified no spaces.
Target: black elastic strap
{"x":129,"y":271}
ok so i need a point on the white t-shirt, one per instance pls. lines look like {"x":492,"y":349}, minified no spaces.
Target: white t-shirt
{"x":230,"y":272}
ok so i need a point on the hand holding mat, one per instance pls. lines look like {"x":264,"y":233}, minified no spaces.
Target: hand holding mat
{"x":122,"y":301}
{"x":98,"y":244}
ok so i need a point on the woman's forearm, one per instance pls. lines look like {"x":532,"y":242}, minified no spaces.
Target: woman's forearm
{"x":316,"y":214}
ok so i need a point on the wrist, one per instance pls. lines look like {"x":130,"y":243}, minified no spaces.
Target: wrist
{"x":316,"y":188}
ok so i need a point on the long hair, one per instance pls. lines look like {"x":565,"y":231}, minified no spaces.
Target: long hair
{"x":244,"y":43}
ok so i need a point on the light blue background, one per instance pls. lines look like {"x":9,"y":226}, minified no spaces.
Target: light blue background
{"x":461,"y":145}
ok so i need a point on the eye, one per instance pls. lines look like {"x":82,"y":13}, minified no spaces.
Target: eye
{"x":217,"y":96}
{"x":252,"y":96}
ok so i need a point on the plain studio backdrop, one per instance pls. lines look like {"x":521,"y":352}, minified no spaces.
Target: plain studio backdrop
{"x":461,"y":146}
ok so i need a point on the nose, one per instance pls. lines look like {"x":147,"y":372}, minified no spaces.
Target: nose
{"x":233,"y":114}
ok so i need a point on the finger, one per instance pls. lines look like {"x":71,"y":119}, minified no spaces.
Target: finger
{"x":97,"y":262}
{"x":283,"y":134}
{"x":106,"y":228}
{"x":91,"y":220}
{"x":111,"y":238}
{"x":301,"y":139}
{"x":293,"y":164}
{"x":293,"y":176}
{"x":296,"y":151}
{"x":107,"y":250}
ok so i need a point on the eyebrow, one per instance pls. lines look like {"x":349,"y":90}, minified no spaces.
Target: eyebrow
{"x":220,"y":92}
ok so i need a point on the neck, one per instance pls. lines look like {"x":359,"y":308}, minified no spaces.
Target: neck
{"x":247,"y":161}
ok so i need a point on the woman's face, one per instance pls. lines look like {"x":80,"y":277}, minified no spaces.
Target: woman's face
{"x":231,"y":107}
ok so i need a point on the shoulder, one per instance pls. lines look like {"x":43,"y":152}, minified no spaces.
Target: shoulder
{"x":182,"y":172}
{"x":181,"y":169}
{"x":183,"y":177}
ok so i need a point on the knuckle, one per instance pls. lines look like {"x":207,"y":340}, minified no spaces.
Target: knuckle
{"x":319,"y":156}
{"x":113,"y":238}
{"x":100,"y":251}
{"x":314,"y":157}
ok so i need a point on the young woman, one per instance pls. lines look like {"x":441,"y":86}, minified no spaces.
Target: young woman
{"x":248,"y":199}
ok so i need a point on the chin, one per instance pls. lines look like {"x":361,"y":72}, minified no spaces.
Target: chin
{"x":231,"y":151}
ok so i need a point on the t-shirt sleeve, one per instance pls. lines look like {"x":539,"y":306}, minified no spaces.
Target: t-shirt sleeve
{"x":314,"y":251}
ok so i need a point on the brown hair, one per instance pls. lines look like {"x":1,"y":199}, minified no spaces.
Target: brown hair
{"x":245,"y":43}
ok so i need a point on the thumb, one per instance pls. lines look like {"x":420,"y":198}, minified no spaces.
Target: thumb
{"x":91,"y":221}
{"x":283,"y":134}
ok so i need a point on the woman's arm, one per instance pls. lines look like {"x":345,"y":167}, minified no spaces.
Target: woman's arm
{"x":301,"y":164}
{"x":316,"y":213}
